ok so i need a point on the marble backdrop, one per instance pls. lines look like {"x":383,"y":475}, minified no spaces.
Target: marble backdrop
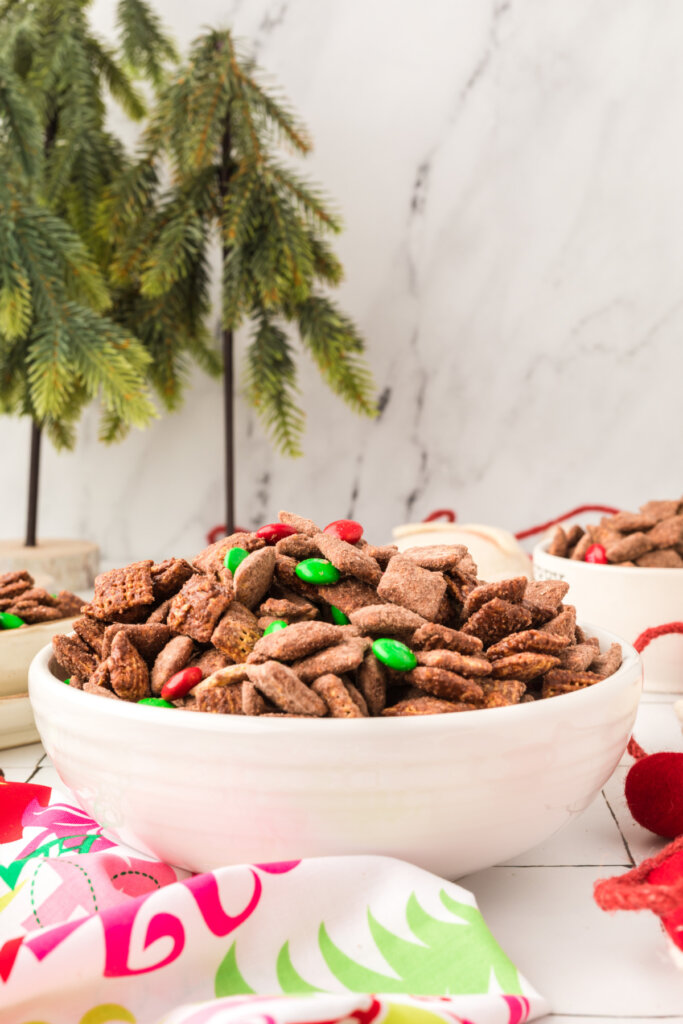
{"x":510,"y":176}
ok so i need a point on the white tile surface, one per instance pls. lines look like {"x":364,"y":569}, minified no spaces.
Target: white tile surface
{"x":22,"y":757}
{"x":583,"y":960}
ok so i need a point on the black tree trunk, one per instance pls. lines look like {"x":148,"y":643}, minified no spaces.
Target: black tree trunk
{"x":33,"y":478}
{"x":227,"y":345}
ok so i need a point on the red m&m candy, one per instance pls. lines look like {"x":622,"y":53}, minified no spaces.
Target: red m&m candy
{"x":597,"y":554}
{"x":346,"y":529}
{"x":273,"y":532}
{"x":181,"y":683}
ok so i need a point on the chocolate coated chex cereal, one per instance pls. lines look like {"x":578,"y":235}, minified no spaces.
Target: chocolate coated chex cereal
{"x":629,"y":522}
{"x":253,"y":577}
{"x":210,"y":662}
{"x":465,"y":664}
{"x":122,"y":590}
{"x":341,"y":658}
{"x":211,"y":559}
{"x":148,"y":638}
{"x":386,"y":620}
{"x":198,"y":607}
{"x":73,"y":655}
{"x":237,"y":633}
{"x":297,"y":641}
{"x":667,"y":533}
{"x":581,"y":547}
{"x":424,"y":706}
{"x":661,"y":558}
{"x":298,"y":546}
{"x":577,"y":658}
{"x":280,"y":685}
{"x":659,"y":510}
{"x":442,"y":557}
{"x":357,"y":698}
{"x":90,"y":686}
{"x":503,"y":692}
{"x":171,"y":659}
{"x":299,"y":523}
{"x":169,"y":576}
{"x":607,"y":664}
{"x":563,"y":624}
{"x":546,"y":593}
{"x":348,"y":559}
{"x":128,"y":672}
{"x":630,"y":547}
{"x":219,"y":698}
{"x":406,"y":584}
{"x":252,"y":701}
{"x":439,"y":682}
{"x":559,"y":545}
{"x":561,"y":677}
{"x":68,"y":604}
{"x":523,"y":666}
{"x":496,"y":619}
{"x":332,"y":690}
{"x":382,"y":554}
{"x":293,"y":608}
{"x":372,"y":681}
{"x":433,"y":636}
{"x":529,"y":640}
{"x":511,"y":590}
{"x":348,"y":595}
{"x":32,"y":613}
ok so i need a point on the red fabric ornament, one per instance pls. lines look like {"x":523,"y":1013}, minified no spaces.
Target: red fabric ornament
{"x":654,"y":793}
{"x":656,"y":885}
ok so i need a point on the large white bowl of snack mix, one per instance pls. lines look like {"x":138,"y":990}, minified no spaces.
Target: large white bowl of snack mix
{"x":635,"y":584}
{"x":314,"y":695}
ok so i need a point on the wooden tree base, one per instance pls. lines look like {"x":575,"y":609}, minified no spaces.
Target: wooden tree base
{"x":54,"y":564}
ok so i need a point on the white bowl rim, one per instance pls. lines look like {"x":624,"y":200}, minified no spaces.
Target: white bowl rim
{"x":542,"y":549}
{"x":535,"y":711}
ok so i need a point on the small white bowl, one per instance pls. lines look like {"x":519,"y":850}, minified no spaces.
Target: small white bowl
{"x":451,"y":793}
{"x":627,"y":601}
{"x":18,"y":648}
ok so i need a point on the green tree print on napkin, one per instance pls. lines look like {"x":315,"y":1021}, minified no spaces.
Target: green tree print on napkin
{"x":454,"y":958}
{"x":449,"y":958}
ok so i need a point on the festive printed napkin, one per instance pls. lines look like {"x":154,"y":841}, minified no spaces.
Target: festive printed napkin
{"x":93,"y":932}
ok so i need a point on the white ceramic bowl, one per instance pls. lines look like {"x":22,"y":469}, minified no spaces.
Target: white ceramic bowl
{"x":18,"y":648}
{"x":627,"y":601}
{"x":450,"y":793}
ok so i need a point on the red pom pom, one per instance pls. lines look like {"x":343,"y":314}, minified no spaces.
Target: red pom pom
{"x":654,"y":793}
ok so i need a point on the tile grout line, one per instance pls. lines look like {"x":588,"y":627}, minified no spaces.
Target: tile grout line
{"x":623,"y":837}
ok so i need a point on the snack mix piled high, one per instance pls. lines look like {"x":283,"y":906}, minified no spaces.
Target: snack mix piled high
{"x":652,"y":537}
{"x":296,"y":621}
{"x":22,"y":603}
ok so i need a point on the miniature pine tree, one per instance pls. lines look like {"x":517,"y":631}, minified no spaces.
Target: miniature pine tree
{"x":66,"y":337}
{"x":221,"y":131}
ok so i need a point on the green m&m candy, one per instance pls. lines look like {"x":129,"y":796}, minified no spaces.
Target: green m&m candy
{"x":275,"y":626}
{"x":67,"y":682}
{"x":9,"y":621}
{"x":317,"y":571}
{"x":394,"y":654}
{"x":156,"y":702}
{"x":338,"y":616}
{"x":234,"y":557}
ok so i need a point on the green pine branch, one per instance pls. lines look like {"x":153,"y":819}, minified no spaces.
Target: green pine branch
{"x":144,"y":44}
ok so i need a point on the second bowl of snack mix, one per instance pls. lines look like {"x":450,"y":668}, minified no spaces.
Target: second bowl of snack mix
{"x":626,"y":573}
{"x":299,"y":692}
